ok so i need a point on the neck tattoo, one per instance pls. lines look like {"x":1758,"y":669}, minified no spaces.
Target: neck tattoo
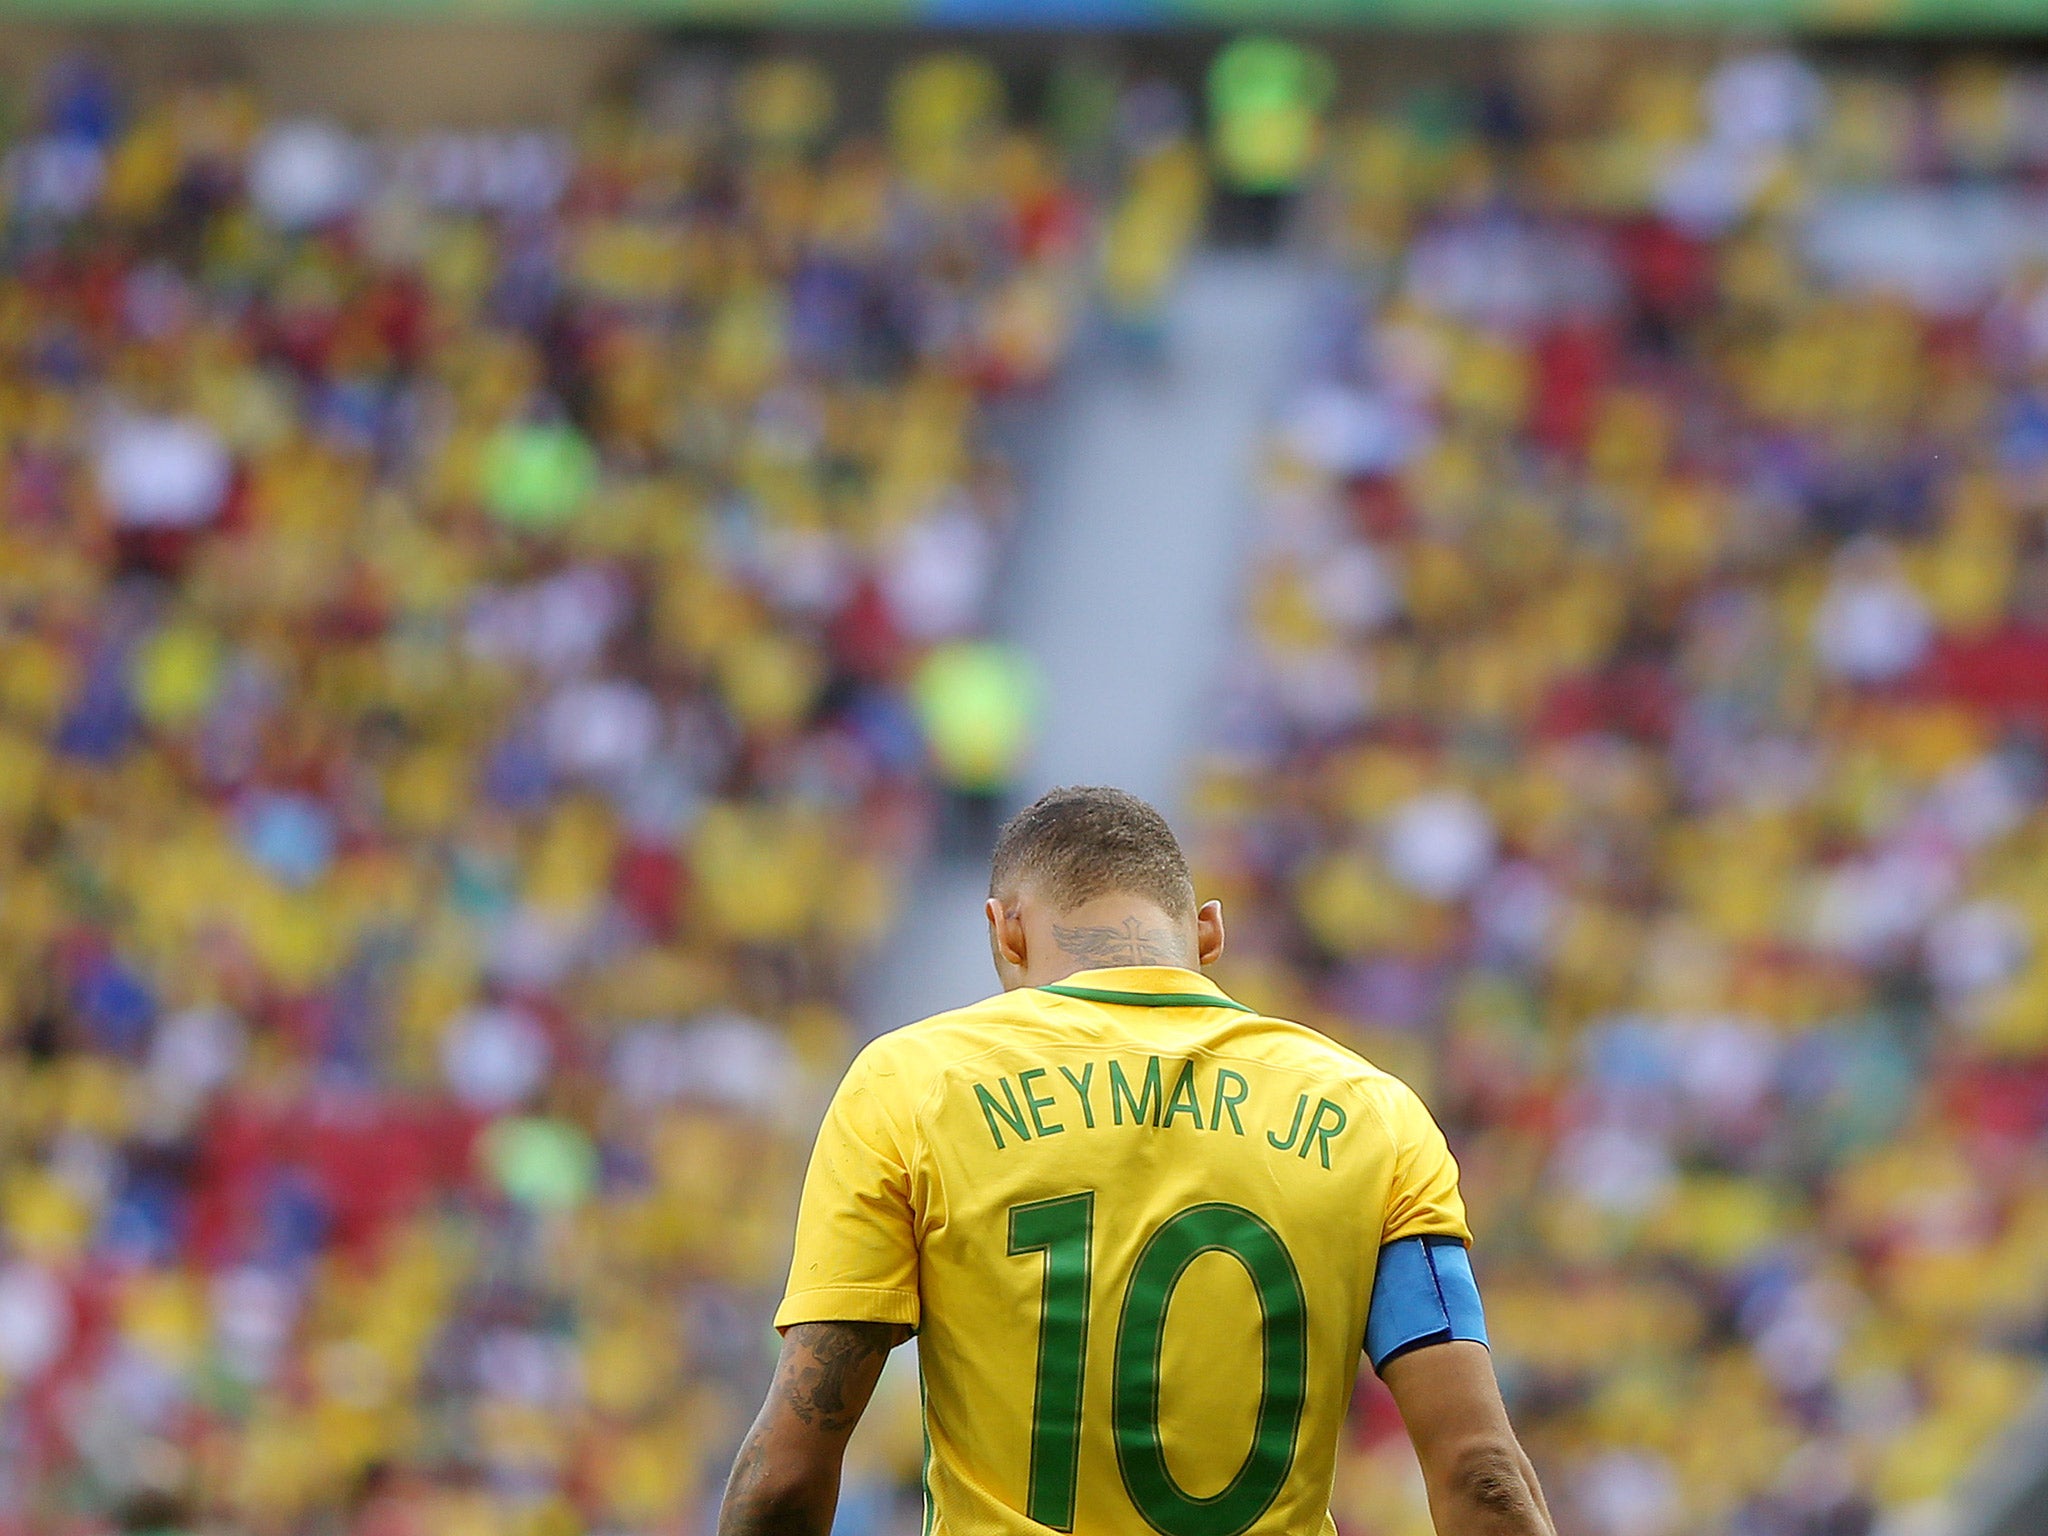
{"x":1131,"y":942}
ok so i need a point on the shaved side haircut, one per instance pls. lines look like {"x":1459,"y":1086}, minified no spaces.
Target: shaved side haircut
{"x":1079,"y":842}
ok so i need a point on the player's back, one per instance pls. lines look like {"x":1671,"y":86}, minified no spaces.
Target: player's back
{"x":1146,"y":1222}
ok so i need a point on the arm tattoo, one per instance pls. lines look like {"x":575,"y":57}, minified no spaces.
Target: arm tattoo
{"x":823,"y":1357}
{"x":1129,"y":943}
{"x":785,"y":1481}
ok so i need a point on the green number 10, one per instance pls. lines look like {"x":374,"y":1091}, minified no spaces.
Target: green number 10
{"x":1063,"y":1230}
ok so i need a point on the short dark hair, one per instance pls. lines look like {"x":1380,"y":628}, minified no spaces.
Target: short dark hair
{"x":1082,"y":841}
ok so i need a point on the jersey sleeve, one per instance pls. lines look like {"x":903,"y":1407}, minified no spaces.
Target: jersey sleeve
{"x":1424,"y":1200}
{"x":856,"y":1236}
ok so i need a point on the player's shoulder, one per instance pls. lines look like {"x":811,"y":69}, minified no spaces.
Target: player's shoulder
{"x":906,"y":1062}
{"x":918,"y":1051}
{"x":1304,"y":1047}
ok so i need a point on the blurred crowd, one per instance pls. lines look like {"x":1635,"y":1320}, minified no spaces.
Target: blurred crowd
{"x":482,"y":616}
{"x":486,"y":618}
{"x":1640,"y":742}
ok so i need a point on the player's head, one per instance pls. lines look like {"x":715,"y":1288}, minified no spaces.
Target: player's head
{"x":1090,"y":876}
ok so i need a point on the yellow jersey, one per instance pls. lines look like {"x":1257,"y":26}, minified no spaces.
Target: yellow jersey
{"x":1135,"y":1225}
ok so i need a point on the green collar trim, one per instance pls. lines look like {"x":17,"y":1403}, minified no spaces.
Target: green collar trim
{"x":1149,"y":999}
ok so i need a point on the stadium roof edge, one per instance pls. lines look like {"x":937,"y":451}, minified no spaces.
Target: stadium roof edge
{"x":1990,"y":17}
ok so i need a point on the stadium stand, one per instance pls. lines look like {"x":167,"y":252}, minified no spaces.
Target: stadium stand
{"x":1637,"y":742}
{"x":464,"y":601}
{"x":461,"y":599}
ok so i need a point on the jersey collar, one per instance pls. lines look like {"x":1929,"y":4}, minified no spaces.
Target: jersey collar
{"x":1145,"y":986}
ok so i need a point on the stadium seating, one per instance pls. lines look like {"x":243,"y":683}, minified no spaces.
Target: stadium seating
{"x":1637,"y":742}
{"x":461,"y":596}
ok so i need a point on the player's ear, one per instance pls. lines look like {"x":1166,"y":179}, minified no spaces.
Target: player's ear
{"x":1005,"y":937}
{"x":1209,"y":933}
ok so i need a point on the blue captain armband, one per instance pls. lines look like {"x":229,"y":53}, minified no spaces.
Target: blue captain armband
{"x":1424,"y":1293}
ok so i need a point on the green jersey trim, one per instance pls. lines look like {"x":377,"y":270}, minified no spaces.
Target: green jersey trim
{"x":1148,"y":999}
